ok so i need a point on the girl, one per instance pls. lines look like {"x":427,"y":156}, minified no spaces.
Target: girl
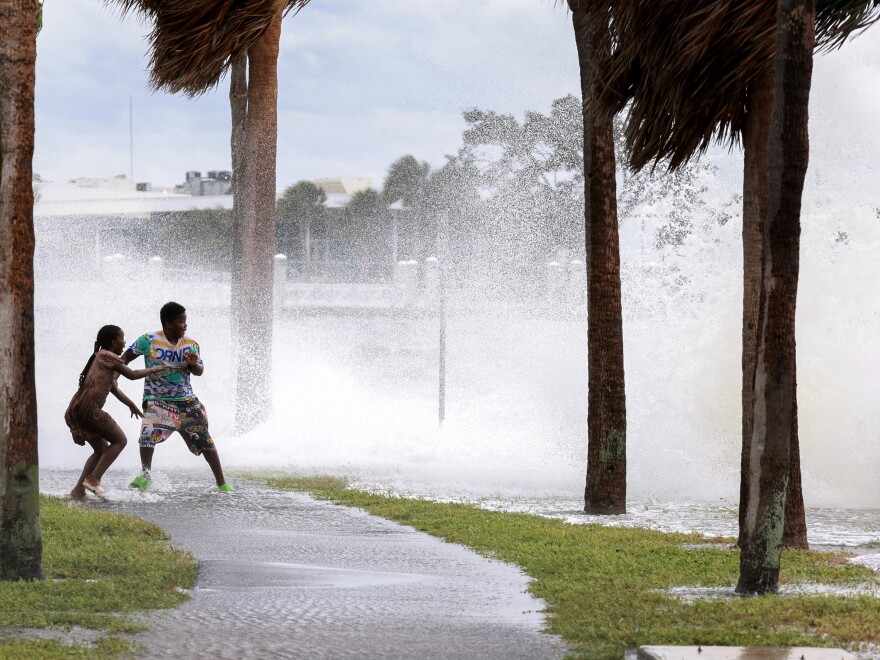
{"x":85,"y":417}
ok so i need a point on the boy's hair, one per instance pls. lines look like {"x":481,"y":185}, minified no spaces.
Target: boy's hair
{"x":170,"y":311}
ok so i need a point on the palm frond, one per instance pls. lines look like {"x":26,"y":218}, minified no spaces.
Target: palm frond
{"x":837,"y":20}
{"x":685,"y":66}
{"x":193,"y":42}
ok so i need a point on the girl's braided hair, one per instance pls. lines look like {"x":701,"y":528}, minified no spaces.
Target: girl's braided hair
{"x":106,"y":335}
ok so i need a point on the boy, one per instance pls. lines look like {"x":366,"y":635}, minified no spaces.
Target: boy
{"x":169,"y":402}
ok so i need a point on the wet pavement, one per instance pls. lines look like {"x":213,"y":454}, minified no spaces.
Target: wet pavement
{"x":285,"y":576}
{"x":741,"y":653}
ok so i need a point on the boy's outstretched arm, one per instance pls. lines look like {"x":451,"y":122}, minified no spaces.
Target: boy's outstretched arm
{"x":128,"y":356}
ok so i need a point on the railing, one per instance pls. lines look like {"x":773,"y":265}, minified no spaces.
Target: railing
{"x":409,"y":286}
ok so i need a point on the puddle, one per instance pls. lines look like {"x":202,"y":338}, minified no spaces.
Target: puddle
{"x":218,"y":575}
{"x":74,"y":635}
{"x":693,"y":594}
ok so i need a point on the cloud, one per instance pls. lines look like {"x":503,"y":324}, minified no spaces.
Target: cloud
{"x":359,"y":85}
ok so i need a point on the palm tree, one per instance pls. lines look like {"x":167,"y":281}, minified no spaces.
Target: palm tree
{"x":365,"y":224}
{"x":193,"y":44}
{"x":301,"y":205}
{"x":238,"y":110}
{"x":21,"y":547}
{"x":724,"y":54}
{"x":774,"y":379}
{"x":605,"y":491}
{"x":406,"y":182}
{"x":255,"y":229}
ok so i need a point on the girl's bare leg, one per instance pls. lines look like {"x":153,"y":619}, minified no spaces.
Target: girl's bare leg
{"x":98,"y":445}
{"x":116,"y":438}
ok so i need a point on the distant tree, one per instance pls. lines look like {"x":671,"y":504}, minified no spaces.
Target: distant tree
{"x":525,"y":184}
{"x":202,"y":237}
{"x":365,"y":226}
{"x":364,"y":208}
{"x":531,"y":182}
{"x":451,"y":192}
{"x":298,"y":208}
{"x":535,"y":154}
{"x":405,"y":183}
{"x":21,"y":546}
{"x":540,"y":158}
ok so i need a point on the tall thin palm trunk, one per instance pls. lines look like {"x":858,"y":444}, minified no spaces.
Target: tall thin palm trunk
{"x":605,"y":491}
{"x":756,"y":134}
{"x":238,"y":108}
{"x":769,"y":460}
{"x":794,"y":534}
{"x":21,"y":545}
{"x":257,"y":231}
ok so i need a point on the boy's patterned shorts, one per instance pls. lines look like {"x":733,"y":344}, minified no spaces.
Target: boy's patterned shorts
{"x":162,"y":418}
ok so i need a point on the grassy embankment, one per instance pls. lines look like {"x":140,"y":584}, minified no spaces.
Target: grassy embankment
{"x":603,"y":585}
{"x":100,"y":567}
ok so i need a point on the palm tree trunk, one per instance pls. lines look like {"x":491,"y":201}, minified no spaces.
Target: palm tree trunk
{"x":253,"y":402}
{"x":769,"y":460}
{"x":756,"y":133}
{"x":794,"y":535}
{"x":21,"y":546}
{"x":605,"y":491}
{"x":238,"y":108}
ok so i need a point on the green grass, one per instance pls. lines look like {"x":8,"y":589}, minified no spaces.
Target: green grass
{"x":24,"y":649}
{"x":99,"y":568}
{"x":600,"y":583}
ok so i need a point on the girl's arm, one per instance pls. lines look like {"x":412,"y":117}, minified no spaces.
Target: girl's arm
{"x":119,"y":394}
{"x":135,"y":374}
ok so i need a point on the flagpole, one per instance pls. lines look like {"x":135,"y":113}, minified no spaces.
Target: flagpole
{"x":130,"y":138}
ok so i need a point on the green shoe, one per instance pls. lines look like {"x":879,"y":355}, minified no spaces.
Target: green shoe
{"x":141,"y":482}
{"x":225,"y":488}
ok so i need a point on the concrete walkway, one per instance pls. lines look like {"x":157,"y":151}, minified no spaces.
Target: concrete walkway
{"x":286,"y":576}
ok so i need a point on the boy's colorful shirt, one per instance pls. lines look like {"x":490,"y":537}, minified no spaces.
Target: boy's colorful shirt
{"x":173,"y":385}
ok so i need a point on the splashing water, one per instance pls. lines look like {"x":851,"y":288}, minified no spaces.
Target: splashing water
{"x":358,"y":393}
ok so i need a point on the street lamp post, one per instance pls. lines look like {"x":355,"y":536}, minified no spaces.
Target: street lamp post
{"x":442,"y":252}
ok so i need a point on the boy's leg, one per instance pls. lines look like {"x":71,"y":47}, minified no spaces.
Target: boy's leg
{"x":213,"y":460}
{"x":143,"y":480}
{"x":147,"y":458}
{"x":194,"y":430}
{"x":156,"y":426}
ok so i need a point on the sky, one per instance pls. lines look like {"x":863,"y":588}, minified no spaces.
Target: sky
{"x":362,"y":83}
